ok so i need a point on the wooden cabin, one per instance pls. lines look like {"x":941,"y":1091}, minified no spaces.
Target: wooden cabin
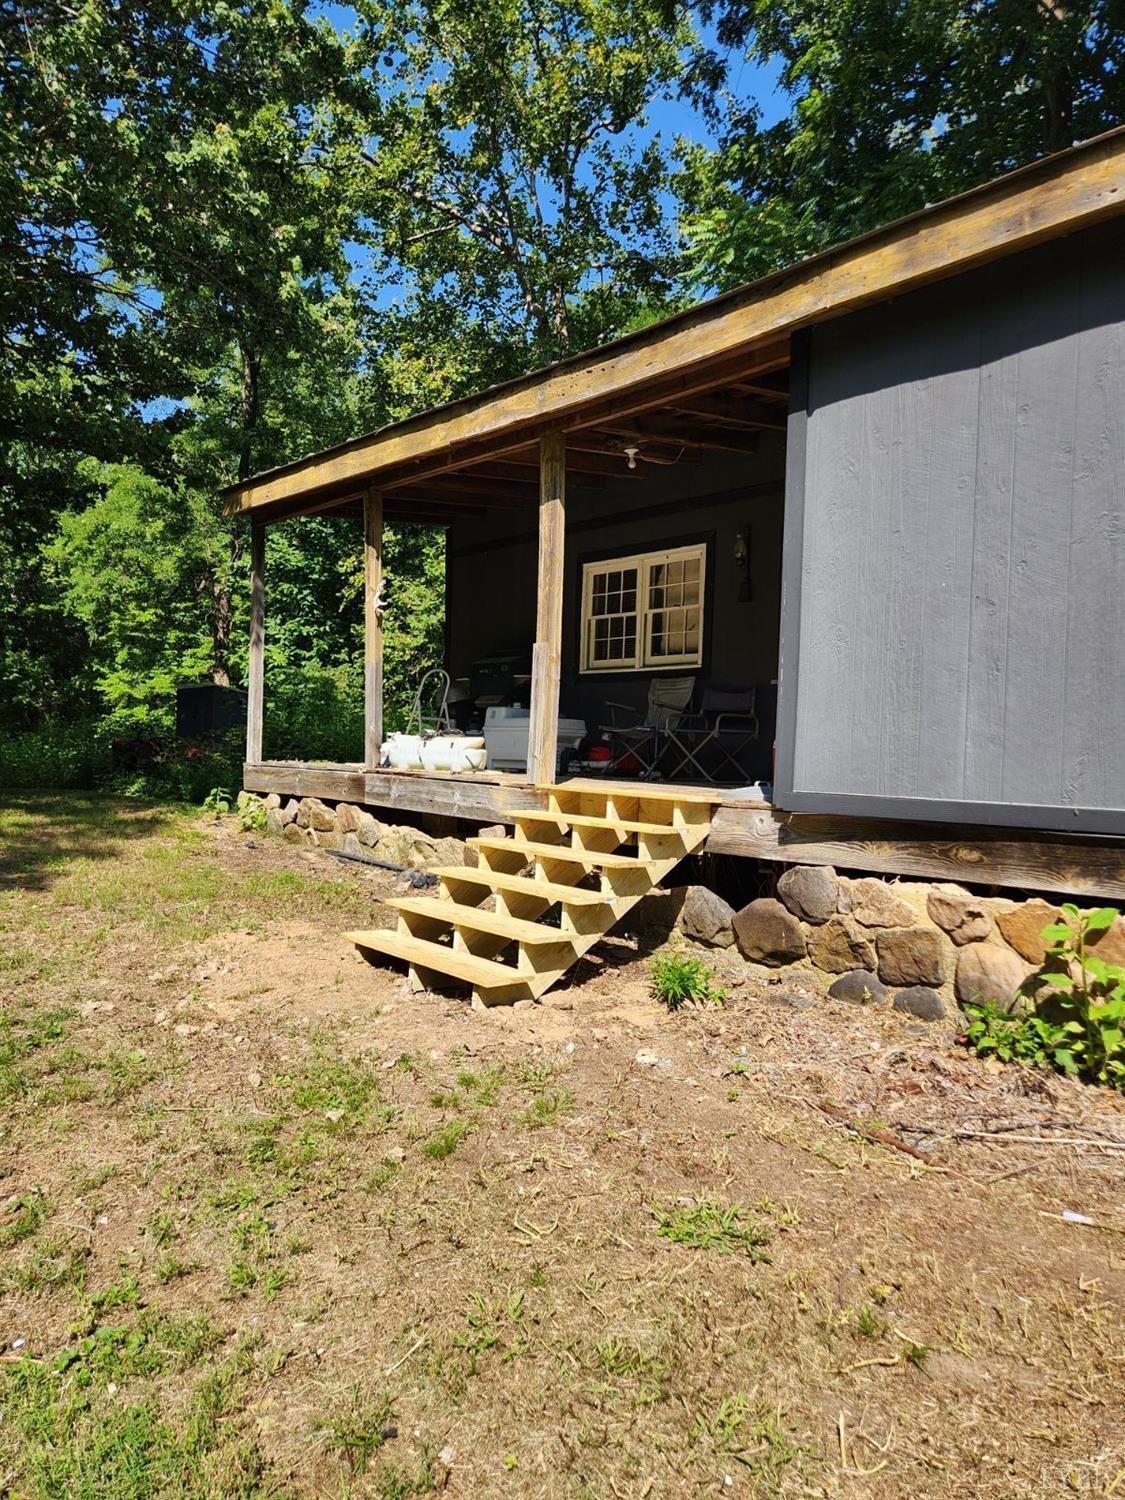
{"x":889,"y":483}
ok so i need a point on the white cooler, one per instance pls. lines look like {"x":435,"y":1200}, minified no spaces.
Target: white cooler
{"x":505,"y":736}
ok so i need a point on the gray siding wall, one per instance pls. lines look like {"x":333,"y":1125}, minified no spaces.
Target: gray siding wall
{"x":953,"y":643}
{"x":491,"y":574}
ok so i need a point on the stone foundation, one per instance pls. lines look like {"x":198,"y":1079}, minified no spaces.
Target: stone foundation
{"x":922,"y":947}
{"x":354,"y":830}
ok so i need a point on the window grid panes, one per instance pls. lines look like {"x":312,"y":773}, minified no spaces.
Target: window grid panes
{"x":644,"y":611}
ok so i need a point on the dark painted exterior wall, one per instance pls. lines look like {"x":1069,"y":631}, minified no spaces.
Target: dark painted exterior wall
{"x":491,"y":575}
{"x":954,"y":622}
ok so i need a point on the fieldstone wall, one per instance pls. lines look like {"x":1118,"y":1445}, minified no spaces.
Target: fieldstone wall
{"x":923,"y":948}
{"x":354,"y":830}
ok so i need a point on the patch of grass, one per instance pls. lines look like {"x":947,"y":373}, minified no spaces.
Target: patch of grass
{"x":342,"y":1090}
{"x":546,"y":1108}
{"x":53,"y":1263}
{"x":444,"y":1141}
{"x":359,"y":1432}
{"x":28,"y":1215}
{"x":676,"y":980}
{"x":484,"y":1087}
{"x":79,"y":1440}
{"x":750,"y":1432}
{"x":711,"y":1226}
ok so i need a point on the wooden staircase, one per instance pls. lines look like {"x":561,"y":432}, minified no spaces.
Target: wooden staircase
{"x":568,"y":874}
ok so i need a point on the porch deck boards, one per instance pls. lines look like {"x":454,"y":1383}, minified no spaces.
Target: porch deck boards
{"x":1084,"y":866}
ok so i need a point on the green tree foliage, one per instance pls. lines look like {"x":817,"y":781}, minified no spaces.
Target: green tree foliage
{"x":514,"y":176}
{"x":895,"y":104}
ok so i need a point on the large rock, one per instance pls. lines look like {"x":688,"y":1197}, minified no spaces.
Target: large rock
{"x":768,"y":933}
{"x":273,"y":800}
{"x":874,"y":903}
{"x":921,"y":1001}
{"x":1022,"y":925}
{"x":963,"y":916}
{"x":841,"y":944}
{"x":275,"y":823}
{"x":367,"y":827}
{"x":289,"y":811}
{"x":1110,"y":944}
{"x":293,"y":833}
{"x":312,"y":813}
{"x":989,"y":971}
{"x":451,"y":851}
{"x":809,"y":891}
{"x":351,"y":846}
{"x":326,"y":838}
{"x":911,"y":955}
{"x":347,"y":817}
{"x":707,"y":918}
{"x":859,"y":987}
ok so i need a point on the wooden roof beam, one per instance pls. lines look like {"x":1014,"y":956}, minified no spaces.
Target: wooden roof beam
{"x":758,"y":415}
{"x":648,"y":429}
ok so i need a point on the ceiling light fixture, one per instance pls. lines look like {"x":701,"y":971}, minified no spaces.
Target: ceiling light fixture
{"x":631,"y":454}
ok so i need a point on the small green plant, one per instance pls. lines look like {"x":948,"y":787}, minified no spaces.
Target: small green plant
{"x":445,"y":1141}
{"x":218,"y":800}
{"x":709,"y":1226}
{"x":360,"y":1431}
{"x":677,"y":980}
{"x":993,"y":1032}
{"x":1078,"y":1024}
{"x":251,"y":813}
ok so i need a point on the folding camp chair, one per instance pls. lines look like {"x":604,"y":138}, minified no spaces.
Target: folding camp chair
{"x":643,"y":741}
{"x":719,"y":733}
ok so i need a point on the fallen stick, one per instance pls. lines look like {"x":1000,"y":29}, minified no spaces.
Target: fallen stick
{"x":879,"y":1137}
{"x":1036,"y":1140}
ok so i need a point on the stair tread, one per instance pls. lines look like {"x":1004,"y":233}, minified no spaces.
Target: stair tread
{"x":522,"y":885}
{"x":584,"y":820}
{"x":435,"y":956}
{"x":565,"y":853}
{"x":496,"y":922}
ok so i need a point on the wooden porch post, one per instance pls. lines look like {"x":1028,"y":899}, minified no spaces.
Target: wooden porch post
{"x":543,"y":729}
{"x":256,"y":665}
{"x":372,"y":627}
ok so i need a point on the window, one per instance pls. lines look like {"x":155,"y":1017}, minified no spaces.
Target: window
{"x":644,"y":611}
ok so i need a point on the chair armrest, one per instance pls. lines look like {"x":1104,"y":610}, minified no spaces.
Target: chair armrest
{"x":626,"y":708}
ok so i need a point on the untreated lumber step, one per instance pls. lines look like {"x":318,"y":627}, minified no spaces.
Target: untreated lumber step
{"x":581,"y":820}
{"x":436,"y":957}
{"x":521,"y":885}
{"x":498,"y":923}
{"x":592,"y":859}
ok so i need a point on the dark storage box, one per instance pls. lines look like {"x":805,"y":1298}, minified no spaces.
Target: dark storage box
{"x":205,"y":711}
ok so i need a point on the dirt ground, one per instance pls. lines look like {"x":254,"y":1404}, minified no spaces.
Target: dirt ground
{"x":270,"y":1224}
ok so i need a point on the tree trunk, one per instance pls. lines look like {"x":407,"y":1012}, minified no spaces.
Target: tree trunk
{"x":251,"y":406}
{"x":1058,"y":81}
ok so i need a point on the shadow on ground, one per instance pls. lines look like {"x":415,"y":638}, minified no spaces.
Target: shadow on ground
{"x":40,"y":830}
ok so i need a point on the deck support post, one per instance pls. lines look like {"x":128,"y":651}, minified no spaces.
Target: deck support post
{"x":546,"y":656}
{"x":256,"y":663}
{"x":372,"y":628}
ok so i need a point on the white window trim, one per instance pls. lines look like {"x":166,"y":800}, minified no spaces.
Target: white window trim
{"x":641,"y":660}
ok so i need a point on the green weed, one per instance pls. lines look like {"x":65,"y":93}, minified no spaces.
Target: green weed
{"x":708,"y":1226}
{"x":445,"y":1141}
{"x":360,"y":1431}
{"x":678,"y":980}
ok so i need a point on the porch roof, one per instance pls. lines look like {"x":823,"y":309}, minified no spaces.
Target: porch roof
{"x":722,"y":363}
